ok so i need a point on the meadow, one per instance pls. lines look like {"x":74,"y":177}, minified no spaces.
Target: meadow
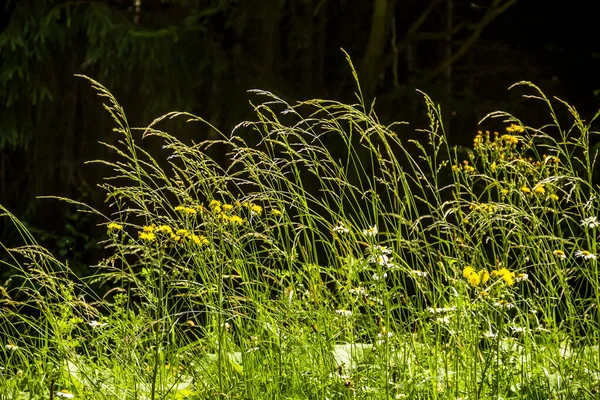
{"x":381,"y":267}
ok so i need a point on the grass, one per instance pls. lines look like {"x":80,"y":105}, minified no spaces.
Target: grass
{"x":328,"y":259}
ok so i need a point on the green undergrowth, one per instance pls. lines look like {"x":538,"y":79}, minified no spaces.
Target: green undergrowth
{"x":327,"y":258}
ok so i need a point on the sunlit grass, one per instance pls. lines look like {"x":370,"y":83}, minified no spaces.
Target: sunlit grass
{"x":328,"y":259}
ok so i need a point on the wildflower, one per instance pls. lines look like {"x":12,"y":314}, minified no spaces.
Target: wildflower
{"x":214,"y":204}
{"x":539,"y":189}
{"x":378,"y":277}
{"x":514,"y":128}
{"x":382,"y":260}
{"x":590,"y":222}
{"x":227,"y":207}
{"x":256,"y":209}
{"x":65,"y":394}
{"x":444,"y":320}
{"x":525,"y":189}
{"x":420,"y":274}
{"x":113,"y":226}
{"x":504,"y":304}
{"x":340,"y":228}
{"x":236,"y":220}
{"x":182,"y":232}
{"x":506,"y":276}
{"x":385,"y":334}
{"x":275,"y":212}
{"x":199,"y":240}
{"x":149,"y":228}
{"x":164,"y":229}
{"x":344,"y":313}
{"x":441,"y":310}
{"x":372,"y":231}
{"x":585,"y":255}
{"x":518,"y":329}
{"x":522,"y":277}
{"x":553,"y":197}
{"x":474,"y":279}
{"x":357,"y":291}
{"x":560,"y":254}
{"x":468,"y":271}
{"x":149,"y":236}
{"x":381,"y":249}
{"x":484,"y":275}
{"x":11,"y":347}
{"x":95,"y":324}
{"x":187,"y":210}
{"x":493,"y":167}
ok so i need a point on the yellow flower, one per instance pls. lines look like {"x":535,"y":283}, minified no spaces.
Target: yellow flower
{"x":227,"y":207}
{"x":493,"y":167}
{"x":149,"y":228}
{"x":214,"y":204}
{"x":113,"y":226}
{"x":553,"y":197}
{"x":187,"y":210}
{"x":474,"y":279}
{"x":224,"y":217}
{"x":506,"y":276}
{"x":510,"y":139}
{"x":515,"y":128}
{"x":539,"y":189}
{"x":275,"y":212}
{"x":182,"y":232}
{"x":236,"y":220}
{"x":149,"y":236}
{"x":199,"y":240}
{"x":525,"y":189}
{"x":468,"y":271}
{"x":560,"y":254}
{"x":255,"y":208}
{"x":484,"y":275}
{"x":164,"y":229}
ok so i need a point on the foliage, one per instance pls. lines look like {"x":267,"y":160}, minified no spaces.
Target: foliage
{"x":299,"y":270}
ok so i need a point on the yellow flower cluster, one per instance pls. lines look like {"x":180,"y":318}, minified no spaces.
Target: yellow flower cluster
{"x":514,"y":128}
{"x":113,"y":226}
{"x":149,"y":233}
{"x":474,"y":277}
{"x":507,"y":276}
{"x":186,"y":210}
{"x":465,"y":166}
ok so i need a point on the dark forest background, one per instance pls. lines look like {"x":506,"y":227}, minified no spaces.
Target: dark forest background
{"x":202,"y":56}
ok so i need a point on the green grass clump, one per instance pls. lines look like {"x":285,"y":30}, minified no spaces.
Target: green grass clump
{"x":328,"y":258}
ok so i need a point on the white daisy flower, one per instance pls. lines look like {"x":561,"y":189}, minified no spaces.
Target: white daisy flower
{"x":340,"y":228}
{"x":344,"y":313}
{"x":96,"y":324}
{"x":585,"y":254}
{"x":372,"y":231}
{"x":421,"y":274}
{"x":378,"y":277}
{"x":377,"y":249}
{"x":11,"y":347}
{"x":590,"y":222}
{"x":357,"y":291}
{"x":65,"y":394}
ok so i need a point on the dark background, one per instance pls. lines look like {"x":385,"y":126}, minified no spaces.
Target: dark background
{"x":202,"y":56}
